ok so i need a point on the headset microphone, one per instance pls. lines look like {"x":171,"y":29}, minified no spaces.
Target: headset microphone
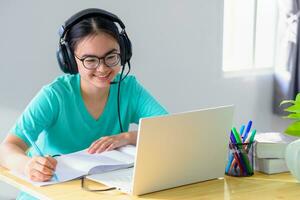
{"x":122,"y":78}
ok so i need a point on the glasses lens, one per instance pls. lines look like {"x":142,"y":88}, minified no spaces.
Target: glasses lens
{"x":91,"y":62}
{"x":112,"y":60}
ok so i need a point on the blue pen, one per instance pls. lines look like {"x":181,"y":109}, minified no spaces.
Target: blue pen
{"x":242,"y":129}
{"x":247,"y":130}
{"x":36,"y":148}
{"x":230,"y":157}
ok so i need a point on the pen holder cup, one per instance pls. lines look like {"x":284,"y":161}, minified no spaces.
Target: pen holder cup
{"x":240,"y":159}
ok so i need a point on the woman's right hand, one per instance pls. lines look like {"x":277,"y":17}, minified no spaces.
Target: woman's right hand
{"x":40,"y":168}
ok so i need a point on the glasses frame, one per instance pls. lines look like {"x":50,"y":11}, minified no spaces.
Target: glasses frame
{"x":99,"y":60}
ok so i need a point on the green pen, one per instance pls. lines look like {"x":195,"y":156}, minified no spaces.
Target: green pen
{"x":251,"y":139}
{"x":252,"y":136}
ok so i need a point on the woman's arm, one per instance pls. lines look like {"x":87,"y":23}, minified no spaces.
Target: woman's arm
{"x":12,"y":153}
{"x":108,"y":143}
{"x":13,"y":156}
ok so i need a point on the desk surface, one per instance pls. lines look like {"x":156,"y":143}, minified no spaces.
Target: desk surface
{"x":259,"y":186}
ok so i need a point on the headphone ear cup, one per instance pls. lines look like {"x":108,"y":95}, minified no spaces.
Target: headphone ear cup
{"x":126,"y":49}
{"x":60,"y":59}
{"x":71,"y":62}
{"x":66,"y":60}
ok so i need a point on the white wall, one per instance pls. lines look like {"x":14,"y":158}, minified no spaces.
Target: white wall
{"x":177,"y":55}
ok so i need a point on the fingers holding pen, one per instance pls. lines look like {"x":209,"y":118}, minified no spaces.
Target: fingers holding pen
{"x":36,"y":175}
{"x":52,"y":161}
{"x":47,"y":161}
{"x":40,"y":168}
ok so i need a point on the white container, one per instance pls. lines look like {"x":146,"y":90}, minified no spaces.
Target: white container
{"x":292,"y":158}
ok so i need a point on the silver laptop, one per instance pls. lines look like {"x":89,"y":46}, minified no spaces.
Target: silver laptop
{"x":175,"y":150}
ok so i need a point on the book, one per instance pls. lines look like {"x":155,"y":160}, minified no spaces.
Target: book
{"x":271,"y":144}
{"x":270,"y":165}
{"x":81,"y":163}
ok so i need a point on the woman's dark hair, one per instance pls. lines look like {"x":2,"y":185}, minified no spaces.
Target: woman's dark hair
{"x":91,"y":26}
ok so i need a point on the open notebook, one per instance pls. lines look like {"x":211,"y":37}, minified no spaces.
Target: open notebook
{"x":75,"y":165}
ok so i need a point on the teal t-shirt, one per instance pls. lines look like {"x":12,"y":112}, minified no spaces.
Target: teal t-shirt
{"x":59,"y":123}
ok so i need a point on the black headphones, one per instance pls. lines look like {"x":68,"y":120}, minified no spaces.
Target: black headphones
{"x":65,"y":56}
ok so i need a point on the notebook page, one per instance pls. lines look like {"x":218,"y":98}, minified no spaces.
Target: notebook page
{"x":124,"y":154}
{"x":64,"y":174}
{"x":129,"y":149}
{"x":83,"y":161}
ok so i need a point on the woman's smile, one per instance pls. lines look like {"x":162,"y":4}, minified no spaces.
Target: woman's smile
{"x":103,"y":77}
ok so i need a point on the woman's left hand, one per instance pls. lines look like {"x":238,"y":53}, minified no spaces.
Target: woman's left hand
{"x":108,"y":143}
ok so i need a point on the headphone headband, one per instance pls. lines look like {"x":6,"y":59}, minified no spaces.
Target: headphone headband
{"x":87,"y":13}
{"x":65,"y":55}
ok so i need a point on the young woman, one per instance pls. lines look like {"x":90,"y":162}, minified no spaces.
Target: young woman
{"x":80,"y":110}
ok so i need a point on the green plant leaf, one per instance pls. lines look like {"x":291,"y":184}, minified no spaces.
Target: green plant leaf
{"x":293,"y":129}
{"x":293,"y":116}
{"x":298,"y":97}
{"x":294,"y":108}
{"x":286,"y":101}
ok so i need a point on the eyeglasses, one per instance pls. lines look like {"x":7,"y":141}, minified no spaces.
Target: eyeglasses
{"x":93,"y":62}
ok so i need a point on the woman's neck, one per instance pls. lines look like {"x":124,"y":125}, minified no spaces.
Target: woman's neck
{"x":94,"y":98}
{"x":92,"y":93}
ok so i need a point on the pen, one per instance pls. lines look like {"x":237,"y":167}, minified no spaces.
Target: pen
{"x":247,"y":130}
{"x":233,"y":139}
{"x":36,"y":148}
{"x":231,"y":157}
{"x":242,"y":129}
{"x":253,"y":135}
{"x":232,"y":154}
{"x":242,"y":155}
{"x":230,"y":160}
{"x":241,"y":134}
{"x":250,"y":139}
{"x":237,"y":156}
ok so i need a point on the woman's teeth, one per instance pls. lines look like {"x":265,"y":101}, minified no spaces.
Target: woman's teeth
{"x":102,"y":76}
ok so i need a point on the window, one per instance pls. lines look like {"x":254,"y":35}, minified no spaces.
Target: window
{"x":249,"y":34}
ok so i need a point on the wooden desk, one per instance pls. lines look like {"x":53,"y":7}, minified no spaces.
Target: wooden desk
{"x":259,"y":186}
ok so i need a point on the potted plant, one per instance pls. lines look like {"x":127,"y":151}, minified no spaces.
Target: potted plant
{"x":292,"y":151}
{"x":294,"y":114}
